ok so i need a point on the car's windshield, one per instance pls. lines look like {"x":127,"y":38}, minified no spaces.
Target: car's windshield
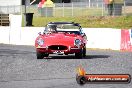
{"x":63,"y":28}
{"x":66,"y":26}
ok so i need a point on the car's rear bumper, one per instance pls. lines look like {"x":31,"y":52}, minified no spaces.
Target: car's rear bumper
{"x":67,"y":51}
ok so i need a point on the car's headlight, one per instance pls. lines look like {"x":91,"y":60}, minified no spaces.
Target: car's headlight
{"x":77,"y":42}
{"x":40,"y":41}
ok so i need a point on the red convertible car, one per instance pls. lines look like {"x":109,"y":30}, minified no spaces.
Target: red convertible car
{"x":61,"y":38}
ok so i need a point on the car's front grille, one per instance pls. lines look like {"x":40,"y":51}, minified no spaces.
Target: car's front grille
{"x":57,"y":47}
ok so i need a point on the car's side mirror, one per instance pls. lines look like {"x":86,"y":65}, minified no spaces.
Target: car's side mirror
{"x":39,"y":33}
{"x":83,"y":34}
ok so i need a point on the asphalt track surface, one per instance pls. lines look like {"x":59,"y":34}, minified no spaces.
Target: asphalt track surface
{"x":19,"y":68}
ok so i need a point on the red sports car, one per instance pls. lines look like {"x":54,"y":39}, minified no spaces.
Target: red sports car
{"x":61,"y":38}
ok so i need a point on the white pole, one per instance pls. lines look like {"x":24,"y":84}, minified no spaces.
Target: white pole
{"x":63,"y":9}
{"x":102,"y":8}
{"x":124,"y":8}
{"x":89,"y":2}
{"x":72,"y":8}
{"x":97,"y":3}
{"x":54,"y":11}
{"x":25,"y":13}
{"x":46,"y":12}
{"x":32,"y":2}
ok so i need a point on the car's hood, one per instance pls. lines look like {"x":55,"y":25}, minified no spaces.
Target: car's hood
{"x":60,"y":39}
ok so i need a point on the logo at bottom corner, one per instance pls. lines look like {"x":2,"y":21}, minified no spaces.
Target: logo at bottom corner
{"x":83,"y":78}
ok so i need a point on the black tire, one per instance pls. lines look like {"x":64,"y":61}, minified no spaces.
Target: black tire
{"x":84,"y":52}
{"x":79,"y":55}
{"x":45,"y":55}
{"x":81,"y":80}
{"x":41,"y":55}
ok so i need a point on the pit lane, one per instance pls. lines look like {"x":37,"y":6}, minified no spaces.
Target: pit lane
{"x":19,"y":68}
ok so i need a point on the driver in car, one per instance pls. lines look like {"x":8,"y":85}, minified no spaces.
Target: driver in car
{"x":53,"y":28}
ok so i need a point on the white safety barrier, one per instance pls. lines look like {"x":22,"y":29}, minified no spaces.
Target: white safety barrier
{"x":102,"y":38}
{"x":4,"y":35}
{"x":29,"y":34}
{"x":15,"y":27}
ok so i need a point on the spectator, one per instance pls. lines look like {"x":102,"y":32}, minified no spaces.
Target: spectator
{"x":110,"y":6}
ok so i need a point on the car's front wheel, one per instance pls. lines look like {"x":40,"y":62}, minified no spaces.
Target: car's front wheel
{"x":79,"y":55}
{"x":84,"y":52}
{"x":41,"y":55}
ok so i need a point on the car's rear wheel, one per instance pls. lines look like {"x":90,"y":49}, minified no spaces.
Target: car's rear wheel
{"x":41,"y":55}
{"x":79,"y":54}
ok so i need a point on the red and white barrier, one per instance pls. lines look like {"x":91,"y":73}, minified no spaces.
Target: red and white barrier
{"x":126,"y":40}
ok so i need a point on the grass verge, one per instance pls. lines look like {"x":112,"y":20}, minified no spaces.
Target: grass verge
{"x":121,"y":22}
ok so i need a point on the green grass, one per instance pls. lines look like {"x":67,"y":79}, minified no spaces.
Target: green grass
{"x":123,"y":22}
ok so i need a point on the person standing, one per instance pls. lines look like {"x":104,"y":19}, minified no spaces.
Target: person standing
{"x":110,"y":6}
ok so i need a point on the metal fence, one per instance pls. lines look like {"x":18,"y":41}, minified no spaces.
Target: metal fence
{"x":68,"y":9}
{"x":10,"y":9}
